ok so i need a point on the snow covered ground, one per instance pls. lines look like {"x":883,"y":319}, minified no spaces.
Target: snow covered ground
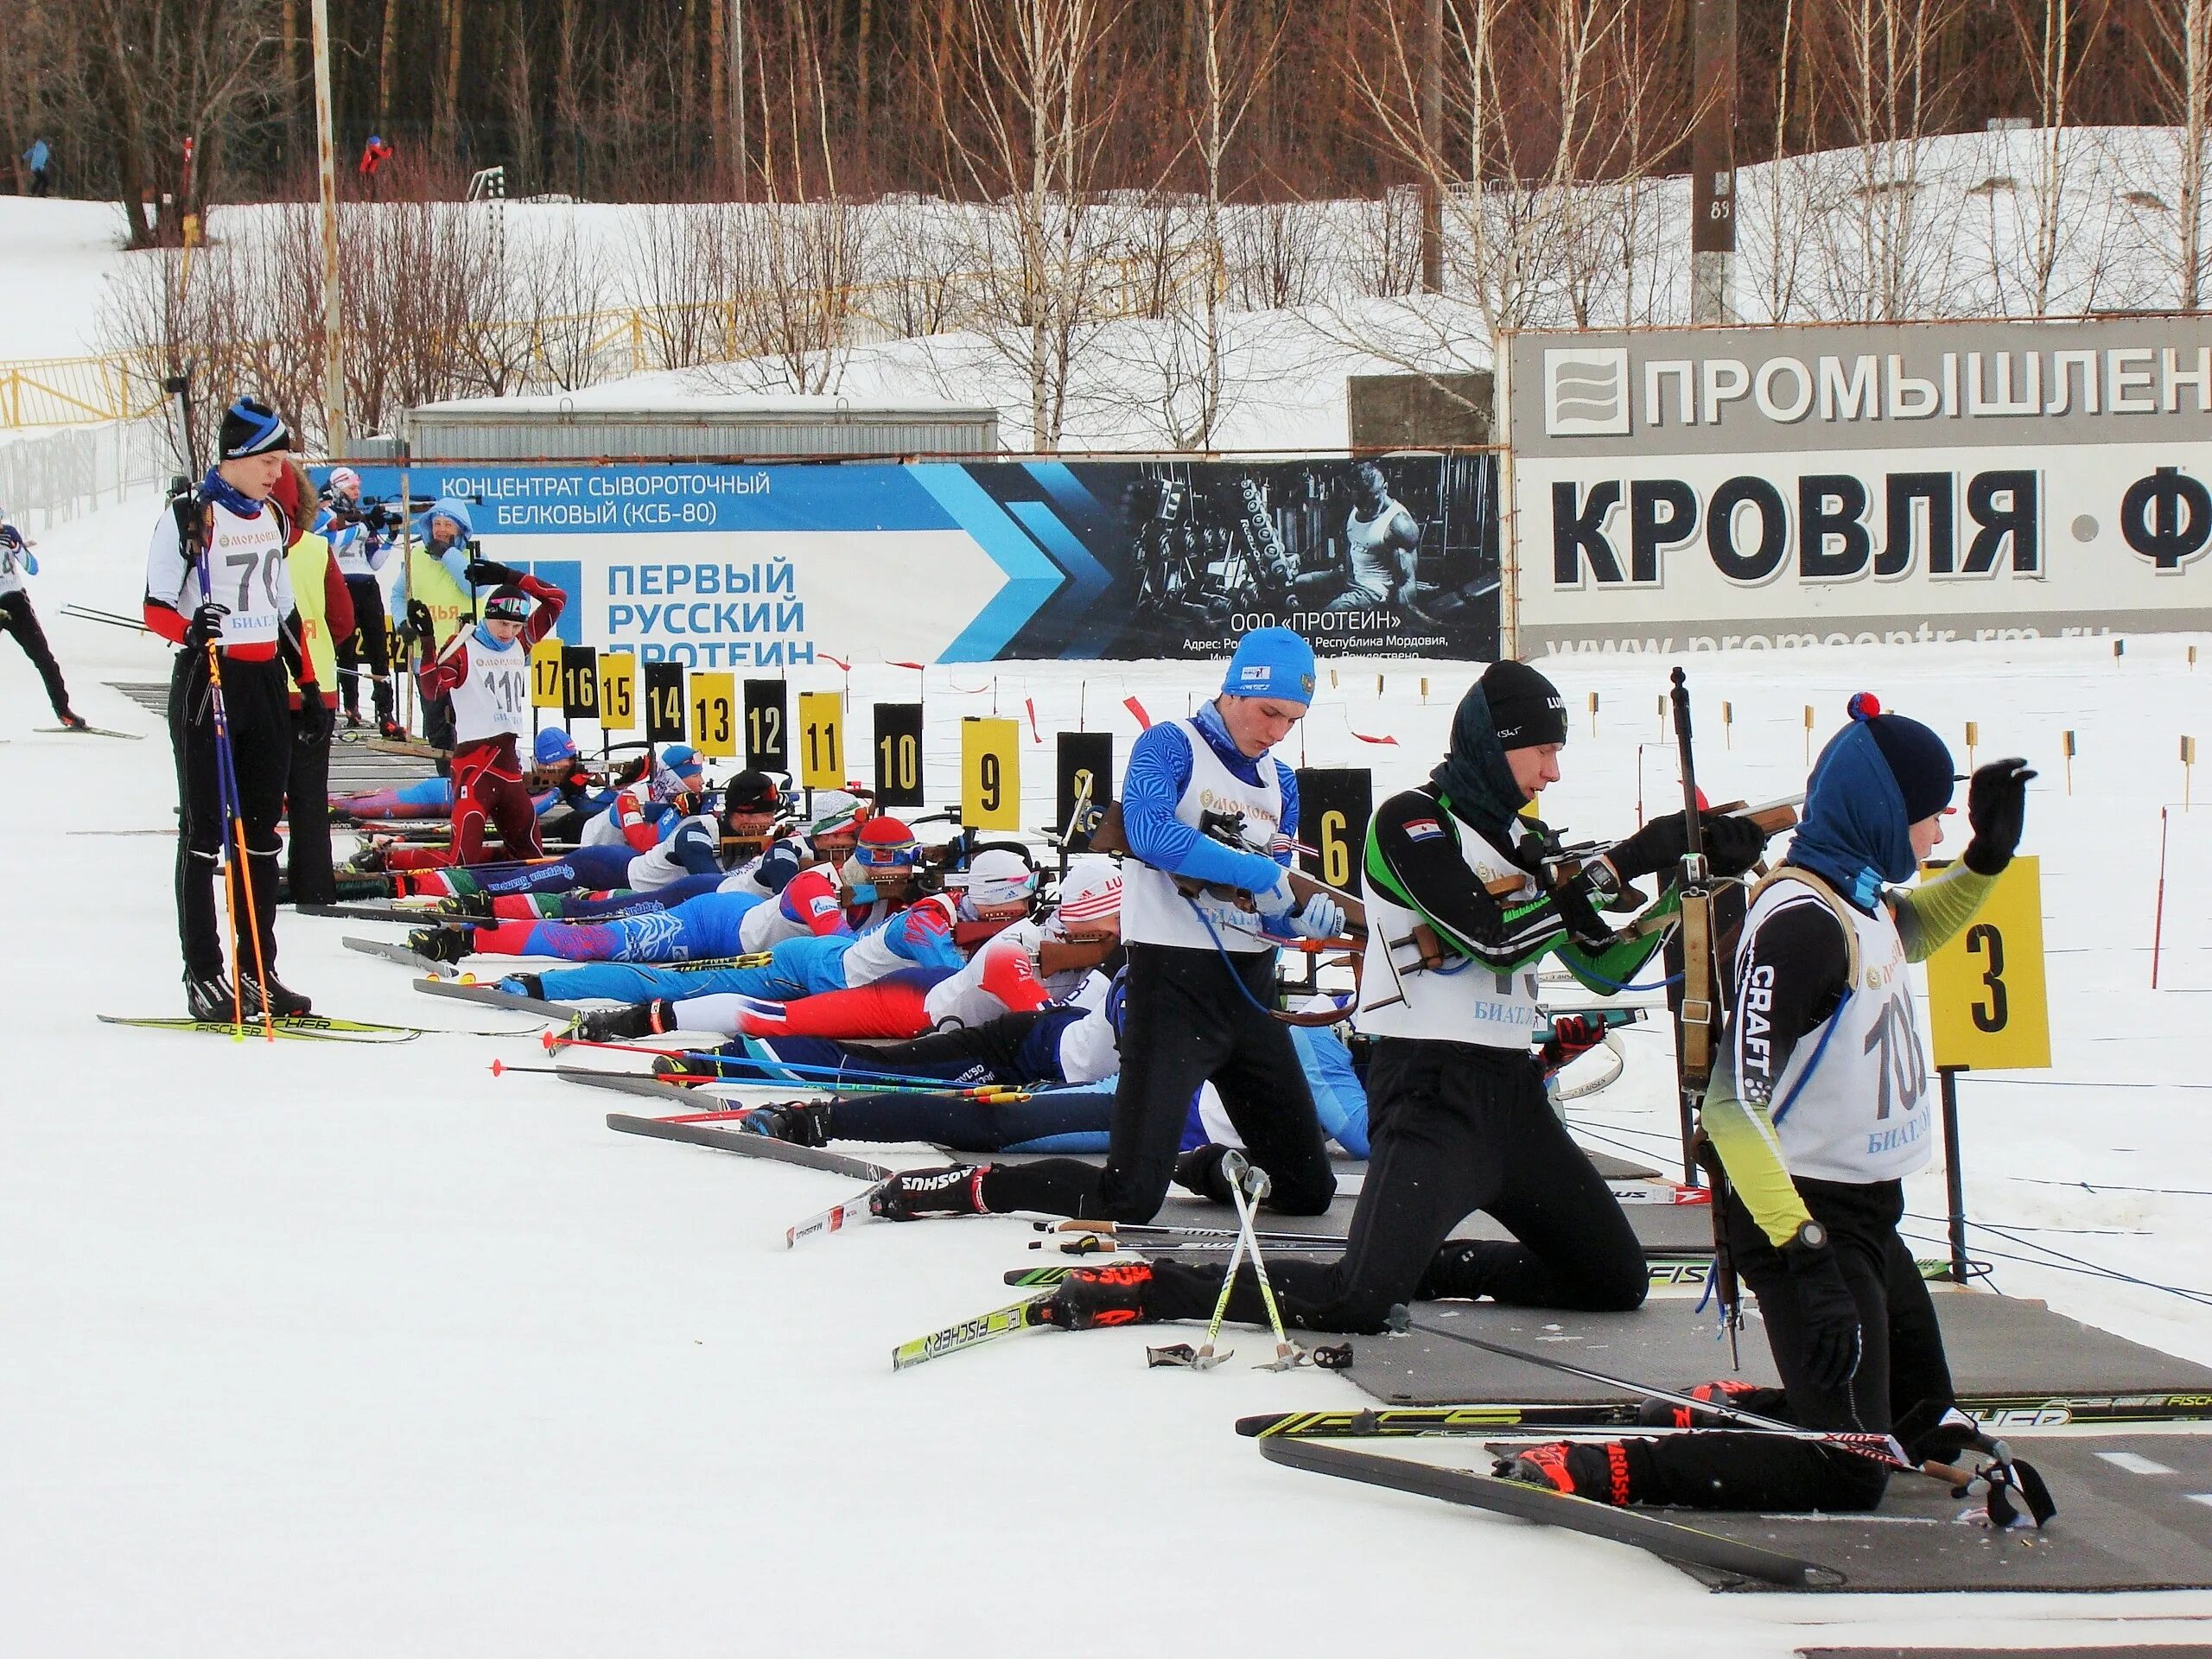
{"x":322,"y":1351}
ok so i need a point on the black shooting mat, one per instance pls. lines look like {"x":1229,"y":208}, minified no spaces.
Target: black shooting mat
{"x":2131,"y":1650}
{"x":2134,"y":1513}
{"x":1998,"y":1345}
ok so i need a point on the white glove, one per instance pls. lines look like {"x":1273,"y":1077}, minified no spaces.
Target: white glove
{"x":1321,"y":918}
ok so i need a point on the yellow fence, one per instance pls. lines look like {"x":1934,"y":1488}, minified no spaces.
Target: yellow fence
{"x":76,"y":391}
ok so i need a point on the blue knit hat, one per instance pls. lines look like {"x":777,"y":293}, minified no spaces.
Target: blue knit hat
{"x":554,"y":745}
{"x":1272,"y":662}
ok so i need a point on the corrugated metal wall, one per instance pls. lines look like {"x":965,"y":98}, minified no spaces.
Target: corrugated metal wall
{"x":584,"y":435}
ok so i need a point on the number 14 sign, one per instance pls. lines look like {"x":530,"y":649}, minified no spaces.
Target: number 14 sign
{"x":1986,"y":986}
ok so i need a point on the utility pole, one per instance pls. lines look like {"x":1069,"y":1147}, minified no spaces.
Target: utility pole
{"x":326,"y":146}
{"x":1713,"y":159}
{"x":1432,"y":138}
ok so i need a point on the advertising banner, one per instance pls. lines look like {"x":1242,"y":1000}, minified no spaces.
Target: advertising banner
{"x":746,"y":568}
{"x":1700,"y":489}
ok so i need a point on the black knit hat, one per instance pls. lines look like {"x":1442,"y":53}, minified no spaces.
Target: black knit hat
{"x":1526,"y":708}
{"x":1918,"y":759}
{"x":251,"y":427}
{"x":508,"y":603}
{"x":752,"y":791}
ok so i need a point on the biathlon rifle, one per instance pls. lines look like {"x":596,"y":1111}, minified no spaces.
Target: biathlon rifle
{"x":1110,"y":836}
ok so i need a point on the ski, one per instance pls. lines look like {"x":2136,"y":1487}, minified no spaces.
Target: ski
{"x":701,"y":1131}
{"x":308,"y":1026}
{"x":491,"y":996}
{"x":835,"y":1218}
{"x":1670,"y":1540}
{"x":1010,"y":1320}
{"x":1681,"y":1275}
{"x":1993,"y":1411}
{"x":400,"y":953}
{"x":92,"y":731}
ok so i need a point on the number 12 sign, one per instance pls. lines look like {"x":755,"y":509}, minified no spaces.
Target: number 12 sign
{"x":1986,"y":997}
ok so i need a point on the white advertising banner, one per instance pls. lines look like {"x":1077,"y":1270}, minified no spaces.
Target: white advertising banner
{"x":1703,"y":489}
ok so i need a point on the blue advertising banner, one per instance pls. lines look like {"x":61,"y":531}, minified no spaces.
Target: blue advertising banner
{"x":754,"y":568}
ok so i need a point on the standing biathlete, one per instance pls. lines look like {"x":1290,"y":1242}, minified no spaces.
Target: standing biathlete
{"x":230,"y":529}
{"x":1458,"y":1119}
{"x":17,"y":618}
{"x":355,"y":532}
{"x":1201,"y":974}
{"x":485,"y":671}
{"x":1818,"y":1109}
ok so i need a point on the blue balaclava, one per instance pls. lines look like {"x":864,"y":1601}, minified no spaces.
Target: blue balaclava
{"x":1877,"y":777}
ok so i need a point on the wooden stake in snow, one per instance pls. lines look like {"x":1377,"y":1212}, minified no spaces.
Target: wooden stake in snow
{"x":1593,"y":714}
{"x":2070,"y":762}
{"x":2158,"y":916}
{"x":1727,"y":725}
{"x":1809,"y":733}
{"x":1973,"y":736}
{"x":2188,"y":761}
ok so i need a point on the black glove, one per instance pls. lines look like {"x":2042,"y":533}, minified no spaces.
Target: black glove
{"x":1832,"y":1336}
{"x":1733,"y":844}
{"x":483,"y":573}
{"x":1579,"y":911}
{"x":1996,"y":801}
{"x":420,"y":623}
{"x":207,"y":625}
{"x":315,"y":721}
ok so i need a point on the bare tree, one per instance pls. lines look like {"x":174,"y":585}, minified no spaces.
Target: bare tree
{"x":1025,"y":107}
{"x":2181,"y":61}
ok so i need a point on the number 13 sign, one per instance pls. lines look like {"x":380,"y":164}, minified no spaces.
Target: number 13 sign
{"x":1986,"y":986}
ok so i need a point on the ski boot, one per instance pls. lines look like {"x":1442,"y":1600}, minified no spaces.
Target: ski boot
{"x":392,"y":731}
{"x":631,"y":1020}
{"x":1726,"y":1391}
{"x":441,"y":944}
{"x":72,"y":722}
{"x":1600,"y":1470}
{"x":283,"y":1001}
{"x":465,"y":904}
{"x":1090,"y":1298}
{"x":797,"y":1122}
{"x":207,"y":997}
{"x":914,"y":1194}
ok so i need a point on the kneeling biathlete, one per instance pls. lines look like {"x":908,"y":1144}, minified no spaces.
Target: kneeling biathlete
{"x":1819,"y":1107}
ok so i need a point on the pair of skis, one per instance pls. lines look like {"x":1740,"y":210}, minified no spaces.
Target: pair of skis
{"x":311,"y":1027}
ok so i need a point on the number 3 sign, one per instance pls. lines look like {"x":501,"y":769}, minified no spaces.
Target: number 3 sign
{"x":1986,"y":986}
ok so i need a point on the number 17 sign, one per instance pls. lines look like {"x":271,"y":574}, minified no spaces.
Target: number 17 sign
{"x":1985,"y":987}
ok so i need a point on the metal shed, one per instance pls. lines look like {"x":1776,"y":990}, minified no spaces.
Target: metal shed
{"x":725,"y":428}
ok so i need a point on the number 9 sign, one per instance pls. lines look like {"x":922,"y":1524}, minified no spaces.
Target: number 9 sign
{"x":1986,"y":986}
{"x":990,"y":775}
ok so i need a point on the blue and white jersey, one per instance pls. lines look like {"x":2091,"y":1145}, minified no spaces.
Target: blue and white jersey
{"x":1165,"y":837}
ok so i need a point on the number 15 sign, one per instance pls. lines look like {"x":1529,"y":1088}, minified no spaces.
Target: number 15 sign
{"x":1985,"y":987}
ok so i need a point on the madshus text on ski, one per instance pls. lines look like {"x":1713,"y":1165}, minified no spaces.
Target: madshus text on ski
{"x":1130,"y":1002}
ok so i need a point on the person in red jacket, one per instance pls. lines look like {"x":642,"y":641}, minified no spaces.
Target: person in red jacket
{"x":308,"y":876}
{"x":486,"y":669}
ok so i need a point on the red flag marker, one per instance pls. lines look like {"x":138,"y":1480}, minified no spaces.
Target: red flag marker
{"x":1030,"y":703}
{"x":895,"y":663}
{"x":1144,"y":720}
{"x":1364,"y":738}
{"x":827,"y":657}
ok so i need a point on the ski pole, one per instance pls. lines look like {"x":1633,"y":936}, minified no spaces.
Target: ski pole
{"x":1246,"y":1185}
{"x":227,"y":784}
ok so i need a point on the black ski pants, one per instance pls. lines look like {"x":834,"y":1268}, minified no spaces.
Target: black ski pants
{"x":257,"y":702}
{"x":1192,"y":1015}
{"x":1902,"y":1372}
{"x":17,"y":617}
{"x":1453,"y":1128}
{"x":309,"y":874}
{"x":368,"y":647}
